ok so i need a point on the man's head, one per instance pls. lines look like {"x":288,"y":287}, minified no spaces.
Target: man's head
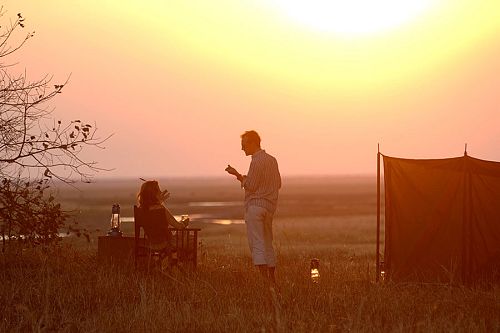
{"x":250,"y":142}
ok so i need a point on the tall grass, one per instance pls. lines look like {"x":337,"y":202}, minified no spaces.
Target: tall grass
{"x":67,"y":290}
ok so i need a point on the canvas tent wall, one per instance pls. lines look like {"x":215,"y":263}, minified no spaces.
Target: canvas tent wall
{"x":442,"y":219}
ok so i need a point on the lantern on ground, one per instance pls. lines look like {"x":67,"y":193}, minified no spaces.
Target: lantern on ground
{"x":115,"y":221}
{"x":315,"y":270}
{"x":382,"y":271}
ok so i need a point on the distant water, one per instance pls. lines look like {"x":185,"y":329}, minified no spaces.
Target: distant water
{"x":61,"y":234}
{"x":205,"y":218}
{"x":228,"y":222}
{"x":215,"y":203}
{"x":194,"y":217}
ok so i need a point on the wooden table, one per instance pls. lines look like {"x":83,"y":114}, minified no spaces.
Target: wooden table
{"x":186,"y":243}
{"x":120,"y":249}
{"x":116,"y":249}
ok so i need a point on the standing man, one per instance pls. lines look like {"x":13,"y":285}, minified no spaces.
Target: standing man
{"x":261,"y":185}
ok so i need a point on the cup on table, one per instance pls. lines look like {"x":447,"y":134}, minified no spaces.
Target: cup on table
{"x":185,"y":219}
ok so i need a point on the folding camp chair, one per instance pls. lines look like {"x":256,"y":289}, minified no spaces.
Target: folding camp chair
{"x":154,"y":242}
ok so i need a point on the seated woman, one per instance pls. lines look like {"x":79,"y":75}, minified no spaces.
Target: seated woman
{"x":156,"y":217}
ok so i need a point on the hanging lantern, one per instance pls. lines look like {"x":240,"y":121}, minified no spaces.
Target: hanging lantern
{"x":115,"y":221}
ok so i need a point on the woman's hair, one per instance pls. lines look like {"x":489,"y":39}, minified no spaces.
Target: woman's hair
{"x":149,"y":194}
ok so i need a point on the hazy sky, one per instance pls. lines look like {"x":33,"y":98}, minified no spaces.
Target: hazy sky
{"x":323,"y":82}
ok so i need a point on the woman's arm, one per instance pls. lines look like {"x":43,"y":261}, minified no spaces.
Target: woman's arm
{"x":172,"y":221}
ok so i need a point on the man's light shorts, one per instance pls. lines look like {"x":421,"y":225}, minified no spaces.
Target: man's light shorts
{"x":259,"y":222}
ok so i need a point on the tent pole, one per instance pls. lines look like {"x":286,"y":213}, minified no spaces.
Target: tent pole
{"x":378,"y":214}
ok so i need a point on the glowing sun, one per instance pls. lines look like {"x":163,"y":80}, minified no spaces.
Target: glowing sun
{"x":352,"y":18}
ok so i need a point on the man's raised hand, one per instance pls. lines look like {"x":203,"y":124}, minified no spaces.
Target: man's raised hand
{"x":231,"y":170}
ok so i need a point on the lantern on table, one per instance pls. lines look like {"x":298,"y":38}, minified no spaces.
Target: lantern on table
{"x":115,"y":221}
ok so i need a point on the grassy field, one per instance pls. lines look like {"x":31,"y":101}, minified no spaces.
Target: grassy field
{"x":66,"y":289}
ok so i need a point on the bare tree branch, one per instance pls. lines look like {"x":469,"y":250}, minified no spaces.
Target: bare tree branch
{"x":35,"y":147}
{"x":26,"y":140}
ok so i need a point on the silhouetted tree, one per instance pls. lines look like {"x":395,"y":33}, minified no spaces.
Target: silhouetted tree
{"x":28,"y":214}
{"x":35,"y":148}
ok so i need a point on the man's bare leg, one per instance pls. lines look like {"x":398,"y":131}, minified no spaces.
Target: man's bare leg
{"x":263,"y":269}
{"x":270,"y":271}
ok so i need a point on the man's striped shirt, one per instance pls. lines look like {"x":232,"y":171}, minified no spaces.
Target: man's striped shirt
{"x":262,"y":182}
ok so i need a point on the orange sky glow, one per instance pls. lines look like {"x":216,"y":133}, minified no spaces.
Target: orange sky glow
{"x":178,"y":81}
